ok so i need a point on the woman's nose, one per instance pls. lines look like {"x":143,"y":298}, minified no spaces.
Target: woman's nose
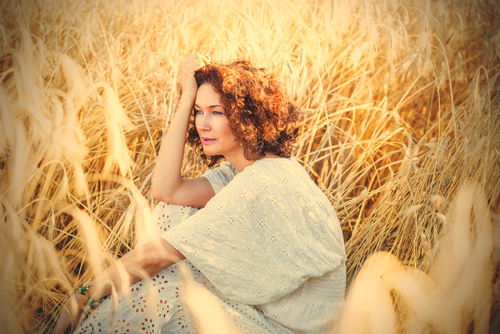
{"x":202,"y":124}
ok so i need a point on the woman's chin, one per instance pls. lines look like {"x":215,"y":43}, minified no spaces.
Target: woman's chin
{"x":208,"y":153}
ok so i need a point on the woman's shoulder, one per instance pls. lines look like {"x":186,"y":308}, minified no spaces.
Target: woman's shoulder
{"x":220,"y":176}
{"x":286,"y":175}
{"x":271,"y":173}
{"x":265,"y":171}
{"x":274,"y":164}
{"x":277,"y":167}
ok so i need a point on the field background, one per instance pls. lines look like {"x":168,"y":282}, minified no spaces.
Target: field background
{"x":400,"y":103}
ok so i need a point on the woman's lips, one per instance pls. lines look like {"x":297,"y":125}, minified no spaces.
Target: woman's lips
{"x":206,"y":141}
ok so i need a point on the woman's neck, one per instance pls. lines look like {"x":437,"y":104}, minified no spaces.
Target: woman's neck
{"x":240,"y":162}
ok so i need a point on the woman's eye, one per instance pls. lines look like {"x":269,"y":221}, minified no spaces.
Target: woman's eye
{"x":216,"y":112}
{"x":198,"y":112}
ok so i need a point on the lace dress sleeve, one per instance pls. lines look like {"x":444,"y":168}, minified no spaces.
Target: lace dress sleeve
{"x":220,"y":177}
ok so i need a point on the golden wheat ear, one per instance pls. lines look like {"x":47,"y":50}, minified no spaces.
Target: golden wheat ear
{"x":401,"y":101}
{"x":455,"y":294}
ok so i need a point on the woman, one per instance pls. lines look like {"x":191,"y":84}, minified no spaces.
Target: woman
{"x":267,"y":244}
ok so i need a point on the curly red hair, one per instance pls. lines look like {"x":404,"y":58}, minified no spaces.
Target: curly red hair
{"x":262,"y":117}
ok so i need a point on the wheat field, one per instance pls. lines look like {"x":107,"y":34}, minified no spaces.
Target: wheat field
{"x":400,"y":129}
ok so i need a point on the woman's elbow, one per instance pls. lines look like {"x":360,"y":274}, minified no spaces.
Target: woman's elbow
{"x":163,"y":256}
{"x":160,"y":194}
{"x":154,"y":266}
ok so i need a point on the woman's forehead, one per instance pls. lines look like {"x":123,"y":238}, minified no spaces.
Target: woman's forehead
{"x":206,"y":96}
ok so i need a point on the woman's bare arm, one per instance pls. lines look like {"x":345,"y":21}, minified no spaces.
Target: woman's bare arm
{"x":167,"y":183}
{"x":142,"y":262}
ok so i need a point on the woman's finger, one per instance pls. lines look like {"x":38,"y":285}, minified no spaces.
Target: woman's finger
{"x":205,"y":60}
{"x":70,"y":314}
{"x":62,"y":323}
{"x":193,"y":63}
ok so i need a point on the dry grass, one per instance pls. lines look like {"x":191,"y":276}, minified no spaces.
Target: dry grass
{"x":455,"y":294}
{"x":400,"y":103}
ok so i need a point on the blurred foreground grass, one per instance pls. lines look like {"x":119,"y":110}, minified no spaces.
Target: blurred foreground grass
{"x":400,"y":101}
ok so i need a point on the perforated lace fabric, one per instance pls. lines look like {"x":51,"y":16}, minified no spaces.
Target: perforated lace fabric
{"x":270,"y":238}
{"x":155,"y":305}
{"x":268,"y":246}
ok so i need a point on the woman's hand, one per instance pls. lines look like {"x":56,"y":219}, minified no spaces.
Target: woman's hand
{"x":186,"y":72}
{"x":167,"y":184}
{"x":70,"y":314}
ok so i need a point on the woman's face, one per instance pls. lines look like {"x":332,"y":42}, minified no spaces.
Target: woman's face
{"x":212,"y":124}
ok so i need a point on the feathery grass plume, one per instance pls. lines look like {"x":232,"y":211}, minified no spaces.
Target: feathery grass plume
{"x":117,"y":123}
{"x":453,"y":298}
{"x":9,"y":317}
{"x":90,"y":238}
{"x":402,"y":101}
{"x":369,"y":299}
{"x":204,"y":306}
{"x":463,"y":269}
{"x":7,"y":134}
{"x":11,"y":238}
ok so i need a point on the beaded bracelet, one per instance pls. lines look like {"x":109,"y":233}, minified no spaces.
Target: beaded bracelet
{"x":84,"y":291}
{"x":91,"y":305}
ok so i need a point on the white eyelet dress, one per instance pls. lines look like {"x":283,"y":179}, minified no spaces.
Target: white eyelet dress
{"x":268,"y":247}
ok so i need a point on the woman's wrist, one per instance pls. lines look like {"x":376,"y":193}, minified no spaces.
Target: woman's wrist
{"x":187,"y":99}
{"x":80,"y":299}
{"x":89,"y":293}
{"x":86,"y":298}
